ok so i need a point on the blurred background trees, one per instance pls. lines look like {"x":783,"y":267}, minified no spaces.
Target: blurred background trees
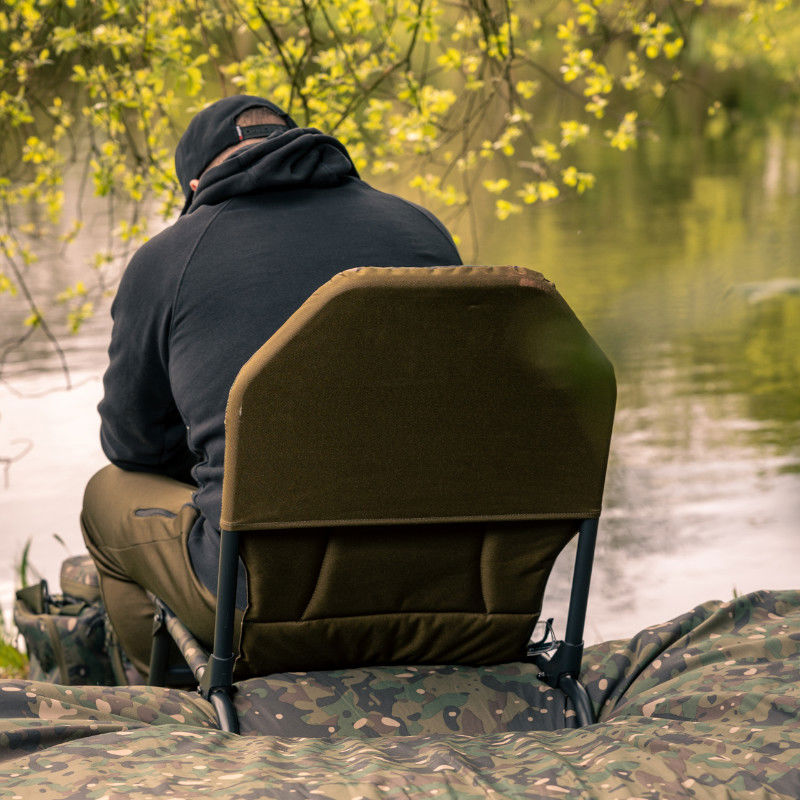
{"x":448,"y":101}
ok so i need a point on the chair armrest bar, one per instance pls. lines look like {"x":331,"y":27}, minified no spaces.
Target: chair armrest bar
{"x":165,"y":626}
{"x":192,"y":651}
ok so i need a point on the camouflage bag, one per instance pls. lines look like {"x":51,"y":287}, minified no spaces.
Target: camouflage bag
{"x":67,"y":636}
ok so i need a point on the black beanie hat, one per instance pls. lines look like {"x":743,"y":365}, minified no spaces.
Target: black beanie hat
{"x":213,"y":130}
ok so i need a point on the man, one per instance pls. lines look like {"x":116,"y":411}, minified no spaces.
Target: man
{"x":272,"y":212}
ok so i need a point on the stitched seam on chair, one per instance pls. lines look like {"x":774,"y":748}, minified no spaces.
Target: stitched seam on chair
{"x":311,"y":620}
{"x":265,"y":525}
{"x":313,"y":595}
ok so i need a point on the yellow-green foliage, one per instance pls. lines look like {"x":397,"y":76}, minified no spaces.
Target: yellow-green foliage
{"x":427,"y":91}
{"x":762,"y":31}
{"x":13,"y":664}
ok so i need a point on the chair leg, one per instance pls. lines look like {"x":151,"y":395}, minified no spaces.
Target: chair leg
{"x":226,"y":713}
{"x":560,"y":662}
{"x":159,"y":654}
{"x":577,"y":693}
{"x":216,"y":684}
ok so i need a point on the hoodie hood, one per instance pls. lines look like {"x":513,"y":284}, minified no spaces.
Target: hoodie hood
{"x":213,"y":130}
{"x":293,"y":159}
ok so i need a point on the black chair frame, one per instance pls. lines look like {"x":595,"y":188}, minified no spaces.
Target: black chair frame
{"x":559,"y":661}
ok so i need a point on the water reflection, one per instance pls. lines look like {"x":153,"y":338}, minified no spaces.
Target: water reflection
{"x":684,"y":268}
{"x":61,"y":264}
{"x":683,"y":265}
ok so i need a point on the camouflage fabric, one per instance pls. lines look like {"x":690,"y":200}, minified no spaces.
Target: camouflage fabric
{"x":642,"y":758}
{"x":79,"y":578}
{"x":68,"y":637}
{"x":732,"y":663}
{"x":35,"y":715}
{"x":398,"y":701}
{"x":705,"y":706}
{"x":68,"y":643}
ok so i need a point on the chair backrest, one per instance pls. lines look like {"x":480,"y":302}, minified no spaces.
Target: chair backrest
{"x":404,"y":459}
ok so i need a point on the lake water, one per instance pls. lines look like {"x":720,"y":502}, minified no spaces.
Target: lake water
{"x":683,"y":264}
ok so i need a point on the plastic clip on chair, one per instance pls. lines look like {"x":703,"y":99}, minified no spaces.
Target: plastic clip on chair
{"x":404,"y":460}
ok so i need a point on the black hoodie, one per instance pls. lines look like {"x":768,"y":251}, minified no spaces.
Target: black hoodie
{"x":264,"y":229}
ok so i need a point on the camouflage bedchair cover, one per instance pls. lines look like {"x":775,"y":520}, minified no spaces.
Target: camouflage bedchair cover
{"x":704,"y":706}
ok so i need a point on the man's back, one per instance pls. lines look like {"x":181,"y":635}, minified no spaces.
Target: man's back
{"x":267,"y":228}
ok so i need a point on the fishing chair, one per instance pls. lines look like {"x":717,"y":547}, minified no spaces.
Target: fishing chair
{"x":404,"y":460}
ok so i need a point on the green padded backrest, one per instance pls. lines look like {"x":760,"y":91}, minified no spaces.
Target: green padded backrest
{"x":406,"y":394}
{"x":405,"y":458}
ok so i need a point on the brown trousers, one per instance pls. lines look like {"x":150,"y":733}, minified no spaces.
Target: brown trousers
{"x":136,"y":526}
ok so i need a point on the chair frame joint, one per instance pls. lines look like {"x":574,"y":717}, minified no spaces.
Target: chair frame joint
{"x":218,"y":676}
